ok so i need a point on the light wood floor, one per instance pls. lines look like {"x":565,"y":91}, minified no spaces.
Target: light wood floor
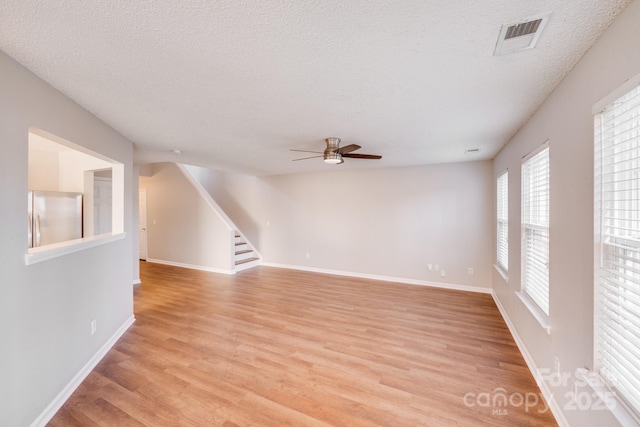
{"x":277,"y":347}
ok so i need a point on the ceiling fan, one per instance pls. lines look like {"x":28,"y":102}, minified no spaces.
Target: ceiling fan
{"x":334,"y":154}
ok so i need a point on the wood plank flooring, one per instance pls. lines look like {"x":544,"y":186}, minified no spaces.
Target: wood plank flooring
{"x":277,"y":347}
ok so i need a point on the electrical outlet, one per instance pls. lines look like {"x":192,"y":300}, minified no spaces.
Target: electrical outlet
{"x":443,"y":273}
{"x":470,"y":271}
{"x":430,"y":267}
{"x":437,"y":267}
{"x":308,"y":255}
{"x":94,"y":326}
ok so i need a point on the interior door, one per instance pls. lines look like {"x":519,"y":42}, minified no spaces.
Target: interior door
{"x":102,"y":201}
{"x":142,"y":199}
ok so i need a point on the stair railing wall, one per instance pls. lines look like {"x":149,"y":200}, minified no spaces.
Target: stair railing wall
{"x":233,"y":229}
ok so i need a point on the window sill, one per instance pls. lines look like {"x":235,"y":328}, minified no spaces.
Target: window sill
{"x":539,"y":315}
{"x":503,"y":273}
{"x":608,"y":399}
{"x":44,"y":253}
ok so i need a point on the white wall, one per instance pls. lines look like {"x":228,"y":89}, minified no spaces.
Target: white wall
{"x":135,"y":225}
{"x":46,"y":308}
{"x":181,"y":227}
{"x":236,"y":194}
{"x":565,"y":119}
{"x":44,"y":170}
{"x":53,"y":170}
{"x":388,"y":222}
{"x":73,"y":164}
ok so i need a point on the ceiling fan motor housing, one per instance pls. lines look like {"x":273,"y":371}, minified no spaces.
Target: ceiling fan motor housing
{"x":331,"y":154}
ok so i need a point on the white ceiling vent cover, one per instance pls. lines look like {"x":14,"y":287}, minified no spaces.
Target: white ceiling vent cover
{"x":520,"y":35}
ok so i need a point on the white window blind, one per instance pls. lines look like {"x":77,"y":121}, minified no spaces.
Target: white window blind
{"x":617,"y":242}
{"x":535,"y":228}
{"x":502,"y":219}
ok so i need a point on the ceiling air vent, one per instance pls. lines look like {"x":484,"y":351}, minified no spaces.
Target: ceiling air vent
{"x":520,"y":35}
{"x":524,"y":29}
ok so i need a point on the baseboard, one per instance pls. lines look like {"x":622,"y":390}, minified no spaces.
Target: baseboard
{"x":556,"y":410}
{"x":68,"y":390}
{"x":191,"y":266}
{"x":383,"y":278}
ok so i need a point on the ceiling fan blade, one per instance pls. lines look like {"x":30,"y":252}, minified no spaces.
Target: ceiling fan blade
{"x":305,"y":158}
{"x":307,"y":151}
{"x":362,"y":156}
{"x":348,"y":148}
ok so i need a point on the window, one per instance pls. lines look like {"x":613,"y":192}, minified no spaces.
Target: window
{"x":502,"y":220}
{"x":75,"y":198}
{"x":617,"y":244}
{"x":535,"y":227}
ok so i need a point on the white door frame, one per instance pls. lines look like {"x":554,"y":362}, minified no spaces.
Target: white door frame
{"x":143,"y":248}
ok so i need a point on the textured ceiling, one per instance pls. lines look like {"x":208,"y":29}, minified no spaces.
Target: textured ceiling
{"x":235,"y":84}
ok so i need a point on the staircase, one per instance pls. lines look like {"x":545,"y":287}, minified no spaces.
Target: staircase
{"x":245,"y":257}
{"x":242,"y":254}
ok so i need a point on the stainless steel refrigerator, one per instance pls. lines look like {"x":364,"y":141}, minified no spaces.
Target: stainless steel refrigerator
{"x":54,"y":217}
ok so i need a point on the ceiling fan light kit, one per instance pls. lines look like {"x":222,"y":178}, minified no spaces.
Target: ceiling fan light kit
{"x":332,"y":157}
{"x":334,"y":154}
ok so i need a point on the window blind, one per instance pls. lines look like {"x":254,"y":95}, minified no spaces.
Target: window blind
{"x":535,"y":228}
{"x":502,"y":219}
{"x":617,"y":242}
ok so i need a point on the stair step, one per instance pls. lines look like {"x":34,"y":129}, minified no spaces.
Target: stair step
{"x":242,"y":255}
{"x":244,"y":261}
